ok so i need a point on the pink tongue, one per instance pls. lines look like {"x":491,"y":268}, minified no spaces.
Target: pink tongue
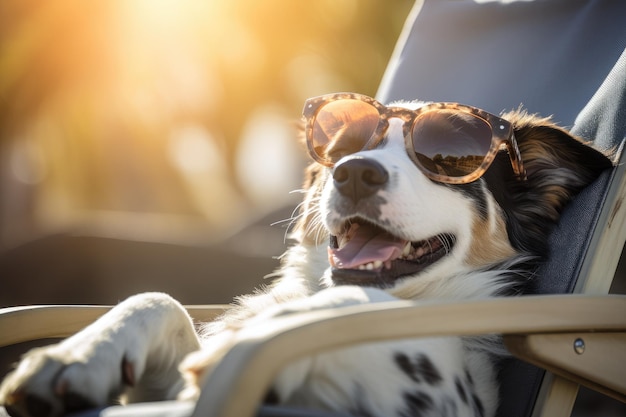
{"x":369,"y":244}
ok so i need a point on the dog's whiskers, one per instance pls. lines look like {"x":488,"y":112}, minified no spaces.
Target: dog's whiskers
{"x":314,"y":226}
{"x":430,"y":246}
{"x":298,"y":191}
{"x":294,"y":214}
{"x":446,"y":243}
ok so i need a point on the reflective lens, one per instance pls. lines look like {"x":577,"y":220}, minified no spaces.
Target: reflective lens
{"x":451,"y":143}
{"x":342,"y":128}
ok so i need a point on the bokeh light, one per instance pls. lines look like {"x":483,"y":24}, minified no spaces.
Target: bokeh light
{"x":145,"y":139}
{"x":168,"y":107}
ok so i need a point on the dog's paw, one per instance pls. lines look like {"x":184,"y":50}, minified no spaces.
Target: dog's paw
{"x":197,"y":365}
{"x":58,"y":379}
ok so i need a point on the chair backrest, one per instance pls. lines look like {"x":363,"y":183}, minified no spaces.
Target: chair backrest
{"x":554,"y":57}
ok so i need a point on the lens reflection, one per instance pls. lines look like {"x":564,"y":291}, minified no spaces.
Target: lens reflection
{"x":343,"y":127}
{"x":451,"y":143}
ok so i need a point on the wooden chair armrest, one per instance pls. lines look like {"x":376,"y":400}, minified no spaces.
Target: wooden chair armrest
{"x":238,"y":383}
{"x":27,"y":323}
{"x":594,"y":359}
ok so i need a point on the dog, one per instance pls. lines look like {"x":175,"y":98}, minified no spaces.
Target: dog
{"x":411,"y":201}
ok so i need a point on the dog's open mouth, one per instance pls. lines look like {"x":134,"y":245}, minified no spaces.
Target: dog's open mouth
{"x":366,"y":254}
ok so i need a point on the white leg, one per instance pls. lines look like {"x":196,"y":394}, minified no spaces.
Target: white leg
{"x":134,"y":350}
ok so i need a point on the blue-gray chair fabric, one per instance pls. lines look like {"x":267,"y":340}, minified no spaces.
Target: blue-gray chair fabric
{"x":549,"y":55}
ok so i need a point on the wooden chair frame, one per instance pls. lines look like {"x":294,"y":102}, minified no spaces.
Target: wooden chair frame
{"x":540,"y":329}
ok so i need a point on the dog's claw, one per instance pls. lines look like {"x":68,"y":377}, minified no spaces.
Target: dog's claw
{"x":27,"y":405}
{"x":50,"y":382}
{"x":37,"y":407}
{"x":76,"y":402}
{"x":128,"y":372}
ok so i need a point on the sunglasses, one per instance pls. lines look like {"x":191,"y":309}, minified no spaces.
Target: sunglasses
{"x":449,"y":142}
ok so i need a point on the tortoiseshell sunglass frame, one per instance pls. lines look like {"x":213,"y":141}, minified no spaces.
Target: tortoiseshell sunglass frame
{"x":501,"y":129}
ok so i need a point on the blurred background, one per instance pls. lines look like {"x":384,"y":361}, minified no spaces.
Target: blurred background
{"x":150,"y":144}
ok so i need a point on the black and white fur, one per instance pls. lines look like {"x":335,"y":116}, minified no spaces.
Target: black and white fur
{"x":488,"y":236}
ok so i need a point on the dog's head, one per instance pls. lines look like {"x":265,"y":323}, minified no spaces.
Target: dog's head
{"x":389,"y":225}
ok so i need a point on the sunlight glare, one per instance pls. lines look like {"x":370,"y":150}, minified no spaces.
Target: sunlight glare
{"x":268,"y":163}
{"x":194,"y":150}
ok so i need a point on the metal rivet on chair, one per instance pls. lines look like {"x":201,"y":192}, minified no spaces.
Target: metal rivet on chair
{"x":579,"y":346}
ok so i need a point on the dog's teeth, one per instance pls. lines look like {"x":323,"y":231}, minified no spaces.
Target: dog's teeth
{"x":419,"y":252}
{"x":407,"y":249}
{"x":370,"y":266}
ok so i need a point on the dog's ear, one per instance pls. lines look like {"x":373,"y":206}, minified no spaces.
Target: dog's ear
{"x":545,"y":146}
{"x":558,"y":165}
{"x":556,"y":162}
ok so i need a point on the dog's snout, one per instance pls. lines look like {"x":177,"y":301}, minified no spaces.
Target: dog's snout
{"x":358,"y":178}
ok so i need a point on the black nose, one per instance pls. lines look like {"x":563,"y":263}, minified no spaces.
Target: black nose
{"x":358,"y":178}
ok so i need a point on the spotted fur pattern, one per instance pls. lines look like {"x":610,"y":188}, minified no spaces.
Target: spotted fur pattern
{"x":488,"y":236}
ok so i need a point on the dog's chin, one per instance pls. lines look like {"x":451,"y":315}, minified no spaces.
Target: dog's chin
{"x":383,"y":278}
{"x":366,"y":254}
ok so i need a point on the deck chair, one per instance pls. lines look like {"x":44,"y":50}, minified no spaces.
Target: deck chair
{"x":558,"y":57}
